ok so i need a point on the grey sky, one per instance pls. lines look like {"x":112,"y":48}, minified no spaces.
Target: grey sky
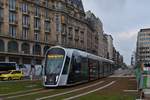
{"x":122,"y":19}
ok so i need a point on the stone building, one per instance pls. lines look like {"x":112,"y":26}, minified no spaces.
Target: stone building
{"x":110,"y":46}
{"x":29,"y":27}
{"x":98,"y":34}
{"x":143,"y":46}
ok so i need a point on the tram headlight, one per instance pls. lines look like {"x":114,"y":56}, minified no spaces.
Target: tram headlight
{"x":45,"y":78}
{"x":57,"y":78}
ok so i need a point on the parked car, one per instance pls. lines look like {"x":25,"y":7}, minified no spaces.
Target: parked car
{"x":11,"y":75}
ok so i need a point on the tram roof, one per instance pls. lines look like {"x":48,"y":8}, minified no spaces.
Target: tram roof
{"x":85,"y":54}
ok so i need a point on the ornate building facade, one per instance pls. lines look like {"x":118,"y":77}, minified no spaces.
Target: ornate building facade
{"x":29,"y":27}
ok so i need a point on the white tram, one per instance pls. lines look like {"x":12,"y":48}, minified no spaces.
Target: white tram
{"x":65,"y":67}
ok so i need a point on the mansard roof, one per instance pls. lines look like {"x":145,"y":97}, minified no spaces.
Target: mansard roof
{"x":78,"y":3}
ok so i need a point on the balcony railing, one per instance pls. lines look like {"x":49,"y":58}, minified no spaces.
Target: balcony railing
{"x":14,"y":9}
{"x":26,"y":12}
{"x":14,"y":23}
{"x":47,"y":19}
{"x":37,"y":28}
{"x":26,"y":25}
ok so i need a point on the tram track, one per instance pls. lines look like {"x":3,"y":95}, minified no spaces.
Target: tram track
{"x":20,"y":92}
{"x":44,"y":92}
{"x":27,"y":94}
{"x":86,"y":90}
{"x":71,"y":91}
{"x":58,"y":92}
{"x":93,"y":90}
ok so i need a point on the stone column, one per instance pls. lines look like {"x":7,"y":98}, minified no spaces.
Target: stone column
{"x":42,"y":48}
{"x":31,"y":48}
{"x":6,"y":59}
{"x":19,"y":47}
{"x":6,"y":45}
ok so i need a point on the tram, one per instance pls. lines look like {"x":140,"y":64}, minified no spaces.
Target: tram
{"x":66,"y":67}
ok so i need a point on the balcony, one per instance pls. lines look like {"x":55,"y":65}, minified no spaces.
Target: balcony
{"x":26,"y":13}
{"x":37,"y":28}
{"x":47,"y":31}
{"x":14,"y":23}
{"x":37,"y":16}
{"x":26,"y":26}
{"x":14,"y":9}
{"x":47,"y":19}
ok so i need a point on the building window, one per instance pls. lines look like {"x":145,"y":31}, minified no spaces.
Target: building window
{"x":0,"y":28}
{"x":37,"y":11}
{"x":25,"y":20}
{"x":47,"y":27}
{"x":70,"y":30}
{"x":1,"y":19}
{"x":24,"y":7}
{"x":2,"y":45}
{"x":25,"y":32}
{"x":12,"y":17}
{"x":63,"y":40}
{"x":37,"y":23}
{"x":12,"y":4}
{"x":46,"y":14}
{"x":45,"y":49}
{"x":58,"y":25}
{"x":25,"y":48}
{"x":46,"y":3}
{"x":1,"y":13}
{"x":46,"y":37}
{"x":37,"y":1}
{"x":58,"y":5}
{"x":12,"y":31}
{"x":12,"y":46}
{"x":63,"y":29}
{"x":36,"y":36}
{"x":37,"y":49}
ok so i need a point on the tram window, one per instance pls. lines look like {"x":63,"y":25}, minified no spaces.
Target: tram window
{"x":93,"y":69}
{"x":75,"y":69}
{"x":66,"y":65}
{"x":84,"y":69}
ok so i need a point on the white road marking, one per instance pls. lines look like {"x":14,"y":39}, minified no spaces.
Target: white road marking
{"x":130,"y":90}
{"x":55,"y":95}
{"x":76,"y":96}
{"x":20,"y":92}
{"x":10,"y":97}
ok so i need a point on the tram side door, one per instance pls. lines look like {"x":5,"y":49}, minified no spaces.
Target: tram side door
{"x":92,"y":70}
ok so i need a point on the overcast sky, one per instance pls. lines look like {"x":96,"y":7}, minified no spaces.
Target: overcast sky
{"x":122,"y":19}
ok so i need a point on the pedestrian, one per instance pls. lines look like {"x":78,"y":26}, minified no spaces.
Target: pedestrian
{"x":32,"y":72}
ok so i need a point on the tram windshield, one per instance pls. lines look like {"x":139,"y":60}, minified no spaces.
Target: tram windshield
{"x":55,"y":58}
